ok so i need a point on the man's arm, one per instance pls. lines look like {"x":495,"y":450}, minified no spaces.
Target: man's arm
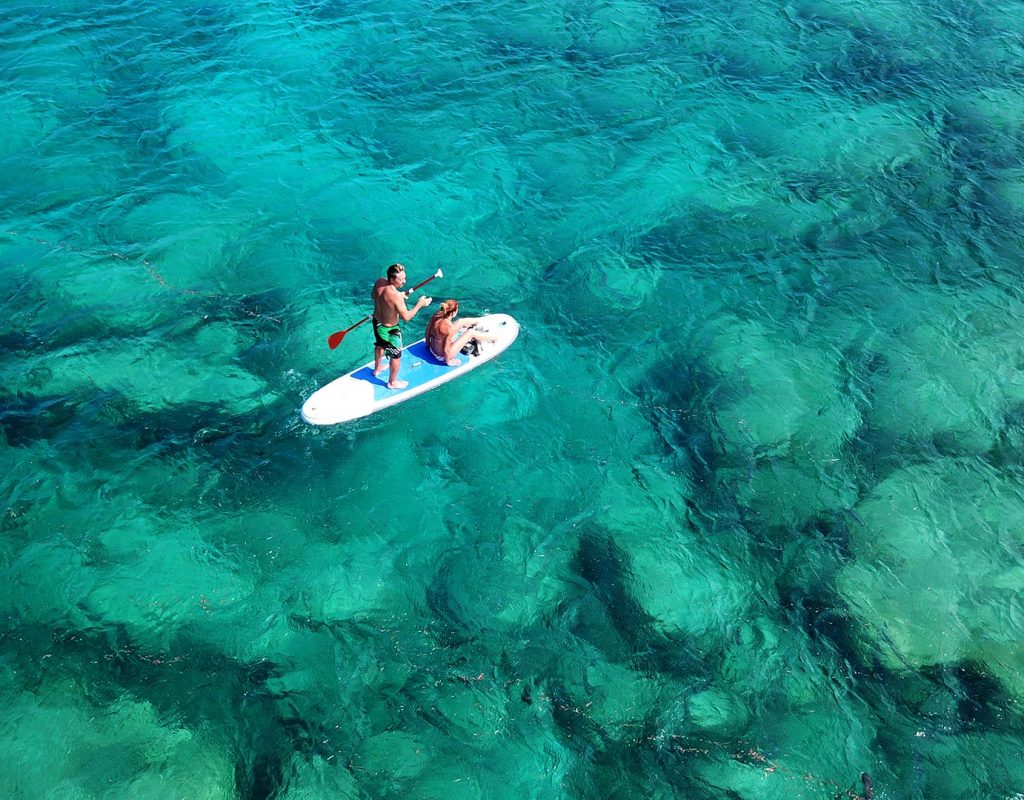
{"x":398,"y":303}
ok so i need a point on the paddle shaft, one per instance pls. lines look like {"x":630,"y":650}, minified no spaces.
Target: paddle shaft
{"x":335,"y":338}
{"x":424,"y":283}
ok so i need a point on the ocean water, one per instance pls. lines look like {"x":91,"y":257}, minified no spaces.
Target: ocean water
{"x":740,"y":515}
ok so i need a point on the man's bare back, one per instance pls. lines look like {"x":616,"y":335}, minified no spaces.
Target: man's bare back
{"x":386,"y":302}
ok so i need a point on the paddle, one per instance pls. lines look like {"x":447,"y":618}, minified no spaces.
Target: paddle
{"x":335,"y":338}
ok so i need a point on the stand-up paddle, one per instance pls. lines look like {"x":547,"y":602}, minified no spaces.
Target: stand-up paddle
{"x":360,"y":392}
{"x":335,"y":338}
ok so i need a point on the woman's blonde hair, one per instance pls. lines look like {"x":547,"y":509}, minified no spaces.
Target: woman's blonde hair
{"x":449,"y":308}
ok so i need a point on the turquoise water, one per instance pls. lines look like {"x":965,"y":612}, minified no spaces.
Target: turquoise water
{"x":739,"y":515}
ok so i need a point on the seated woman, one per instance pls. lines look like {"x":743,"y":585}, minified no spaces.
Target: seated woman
{"x":443,"y":339}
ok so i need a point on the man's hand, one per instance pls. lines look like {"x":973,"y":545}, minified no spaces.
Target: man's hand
{"x":424,"y":301}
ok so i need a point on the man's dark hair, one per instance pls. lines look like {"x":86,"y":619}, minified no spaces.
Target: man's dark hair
{"x":394,"y":269}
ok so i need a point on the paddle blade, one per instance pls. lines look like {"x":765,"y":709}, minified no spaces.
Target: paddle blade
{"x":335,"y":338}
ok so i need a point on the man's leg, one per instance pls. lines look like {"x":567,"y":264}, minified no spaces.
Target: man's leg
{"x":393,"y":382}
{"x":378,"y":356}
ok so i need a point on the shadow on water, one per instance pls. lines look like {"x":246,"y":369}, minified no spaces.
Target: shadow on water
{"x":981,"y":700}
{"x":1008,"y":452}
{"x":701,"y":236}
{"x":131,"y":114}
{"x":874,"y":65}
{"x":831,"y":632}
{"x":319,"y":11}
{"x":926,"y":712}
{"x":873,"y":62}
{"x":678,"y":400}
{"x":983,"y":156}
{"x":257,"y":452}
{"x":25,"y":418}
{"x":818,"y":186}
{"x":208,"y":30}
{"x":605,"y":567}
{"x":746,"y":257}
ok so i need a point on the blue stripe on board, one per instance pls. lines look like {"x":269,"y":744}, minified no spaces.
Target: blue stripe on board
{"x":418,"y":367}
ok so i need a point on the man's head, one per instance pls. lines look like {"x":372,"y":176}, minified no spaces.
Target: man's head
{"x":396,"y":274}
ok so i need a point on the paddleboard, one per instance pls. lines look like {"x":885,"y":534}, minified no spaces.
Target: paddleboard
{"x":360,"y":392}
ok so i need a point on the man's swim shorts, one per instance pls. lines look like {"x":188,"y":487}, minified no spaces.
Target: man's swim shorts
{"x":388,"y":337}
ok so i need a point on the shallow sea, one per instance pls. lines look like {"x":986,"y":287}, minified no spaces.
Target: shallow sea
{"x":740,"y":515}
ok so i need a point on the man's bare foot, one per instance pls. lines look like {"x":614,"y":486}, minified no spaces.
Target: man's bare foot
{"x":398,"y":384}
{"x":376,"y":370}
{"x":453,"y":362}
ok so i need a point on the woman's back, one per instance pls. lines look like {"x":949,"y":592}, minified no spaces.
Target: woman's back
{"x":438,"y":330}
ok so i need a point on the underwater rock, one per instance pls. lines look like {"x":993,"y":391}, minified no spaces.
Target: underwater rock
{"x":786,"y":398}
{"x":937,"y":575}
{"x":73,"y":742}
{"x":315,"y":777}
{"x":781,"y":493}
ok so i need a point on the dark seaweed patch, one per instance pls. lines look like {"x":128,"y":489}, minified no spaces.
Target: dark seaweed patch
{"x":872,"y":65}
{"x":983,"y":701}
{"x":187,"y":684}
{"x":25,"y":418}
{"x":603,"y":565}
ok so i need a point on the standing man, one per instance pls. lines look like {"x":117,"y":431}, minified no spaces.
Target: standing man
{"x":388,"y":309}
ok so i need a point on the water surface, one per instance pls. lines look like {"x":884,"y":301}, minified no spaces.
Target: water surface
{"x":739,"y":515}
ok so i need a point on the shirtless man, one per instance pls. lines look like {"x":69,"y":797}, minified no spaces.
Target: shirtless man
{"x":388,"y":309}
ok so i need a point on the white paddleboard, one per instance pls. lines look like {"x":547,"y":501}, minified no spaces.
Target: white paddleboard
{"x":361,"y":392}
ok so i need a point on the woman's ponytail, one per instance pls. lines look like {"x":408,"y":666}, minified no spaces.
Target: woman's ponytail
{"x":449,"y":308}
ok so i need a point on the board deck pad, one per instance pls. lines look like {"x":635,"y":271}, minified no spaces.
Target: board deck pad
{"x":360,"y":392}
